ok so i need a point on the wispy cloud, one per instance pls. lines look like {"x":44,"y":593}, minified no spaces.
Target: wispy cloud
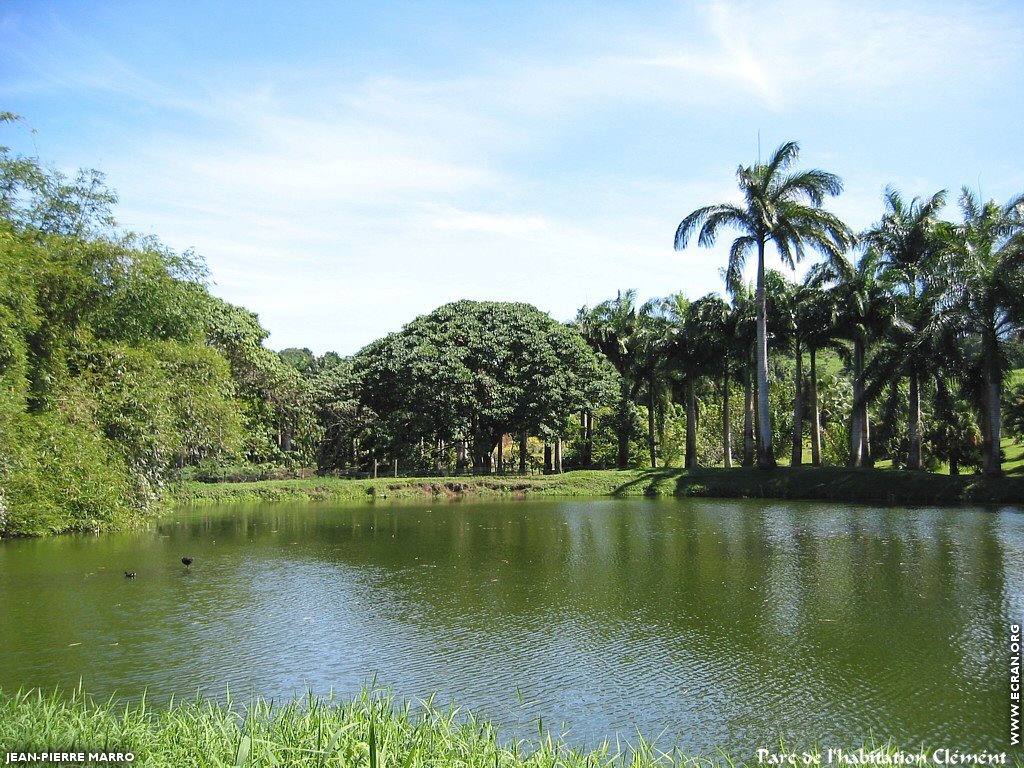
{"x":339,"y":204}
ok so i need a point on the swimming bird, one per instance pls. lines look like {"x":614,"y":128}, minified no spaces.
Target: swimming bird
{"x":129,"y":574}
{"x":187,"y":561}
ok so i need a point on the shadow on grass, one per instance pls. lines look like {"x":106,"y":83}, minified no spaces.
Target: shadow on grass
{"x":832,"y":484}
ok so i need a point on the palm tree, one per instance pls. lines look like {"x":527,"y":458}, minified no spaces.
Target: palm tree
{"x":695,"y":341}
{"x":735,"y":348}
{"x":627,"y":336}
{"x":816,"y":318}
{"x":743,"y":321}
{"x":650,"y":341}
{"x":911,"y":241}
{"x":986,"y":279}
{"x":863,"y":305}
{"x":781,"y":207}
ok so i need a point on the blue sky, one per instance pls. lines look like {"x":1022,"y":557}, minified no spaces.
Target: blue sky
{"x":345,"y":166}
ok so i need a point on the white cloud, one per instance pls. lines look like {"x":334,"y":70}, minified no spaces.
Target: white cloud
{"x":339,"y":207}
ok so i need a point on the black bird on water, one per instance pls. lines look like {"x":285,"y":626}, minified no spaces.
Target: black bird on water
{"x":129,"y":574}
{"x":187,"y":561}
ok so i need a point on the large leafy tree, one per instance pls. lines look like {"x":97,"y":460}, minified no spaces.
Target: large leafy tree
{"x":985,"y":279}
{"x":780,"y":206}
{"x":476,"y":371}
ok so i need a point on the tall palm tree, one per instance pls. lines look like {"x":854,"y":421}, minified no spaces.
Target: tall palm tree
{"x":985,"y":277}
{"x":911,"y":242}
{"x":650,"y":343}
{"x":817,"y":314}
{"x":609,"y":328}
{"x":743,"y":319}
{"x":863,"y":307}
{"x":695,"y":348}
{"x":631,"y":339}
{"x":781,"y":207}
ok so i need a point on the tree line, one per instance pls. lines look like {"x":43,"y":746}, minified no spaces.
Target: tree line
{"x":120,"y":371}
{"x":918,"y":321}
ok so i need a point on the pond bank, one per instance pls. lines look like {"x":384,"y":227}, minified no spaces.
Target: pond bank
{"x":808,"y":483}
{"x":371,"y":729}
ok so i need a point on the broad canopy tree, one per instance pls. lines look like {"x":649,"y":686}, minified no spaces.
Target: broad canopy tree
{"x":475,"y":371}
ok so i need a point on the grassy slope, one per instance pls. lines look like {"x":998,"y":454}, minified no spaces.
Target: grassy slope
{"x":830,"y":484}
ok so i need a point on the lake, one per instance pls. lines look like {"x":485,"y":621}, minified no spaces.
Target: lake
{"x":702,"y":623}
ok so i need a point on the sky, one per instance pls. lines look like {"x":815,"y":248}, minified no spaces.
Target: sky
{"x":346,"y":166}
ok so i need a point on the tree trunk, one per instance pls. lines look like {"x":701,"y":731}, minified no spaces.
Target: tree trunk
{"x":726,"y":421}
{"x":438,"y":464}
{"x":954,"y":462}
{"x":373,"y":459}
{"x":588,"y":439}
{"x":748,"y":421}
{"x":625,"y":428}
{"x":548,"y":469}
{"x":462,"y":458}
{"x":857,"y":416}
{"x":815,"y":411}
{"x":992,"y":460}
{"x":395,"y":467}
{"x":652,"y":442}
{"x":501,"y":455}
{"x":868,"y":456}
{"x":524,"y":447}
{"x":765,"y":452}
{"x":797,"y":457}
{"x":558,"y":455}
{"x":691,"y":425}
{"x":483,"y":445}
{"x":914,"y":443}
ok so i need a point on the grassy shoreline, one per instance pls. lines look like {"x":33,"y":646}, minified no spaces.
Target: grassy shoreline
{"x":371,"y":729}
{"x":809,"y":483}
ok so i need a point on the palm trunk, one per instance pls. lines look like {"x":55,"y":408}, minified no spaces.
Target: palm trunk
{"x":652,"y":444}
{"x":625,"y":428}
{"x":992,"y":463}
{"x":691,"y":425}
{"x":726,"y":421}
{"x":869,"y":459}
{"x":765,"y":453}
{"x":523,"y":448}
{"x":815,"y":411}
{"x":857,"y":414}
{"x":748,"y":421}
{"x":914,"y":447}
{"x":797,"y":457}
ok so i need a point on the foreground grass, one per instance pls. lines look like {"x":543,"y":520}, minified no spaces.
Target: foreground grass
{"x":823,"y":484}
{"x":369,"y":730}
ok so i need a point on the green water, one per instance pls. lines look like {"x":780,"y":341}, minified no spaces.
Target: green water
{"x":704,"y":623}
